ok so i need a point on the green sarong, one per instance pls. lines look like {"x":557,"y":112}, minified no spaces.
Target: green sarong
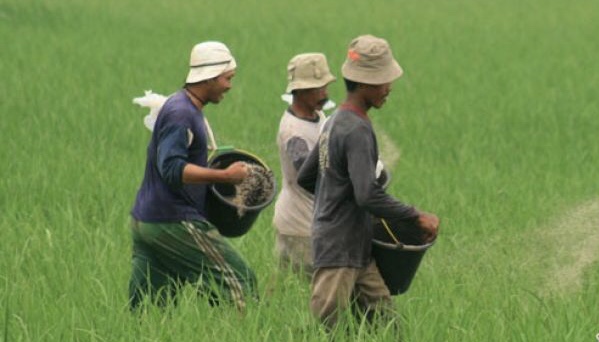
{"x":169,"y":255}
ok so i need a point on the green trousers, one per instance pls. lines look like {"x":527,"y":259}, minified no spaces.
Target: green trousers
{"x":169,"y":255}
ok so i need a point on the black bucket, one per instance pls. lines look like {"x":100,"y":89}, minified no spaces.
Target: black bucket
{"x":398,"y":258}
{"x":220,"y":210}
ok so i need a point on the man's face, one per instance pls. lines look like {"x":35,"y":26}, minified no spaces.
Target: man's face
{"x":376,"y":95}
{"x":313,"y":98}
{"x":219,"y":86}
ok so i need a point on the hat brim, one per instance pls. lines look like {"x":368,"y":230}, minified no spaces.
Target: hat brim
{"x":297,"y":85}
{"x":289,"y":99}
{"x":370,"y":75}
{"x":199,"y":74}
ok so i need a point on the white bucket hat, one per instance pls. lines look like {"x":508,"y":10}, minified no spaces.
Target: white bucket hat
{"x":308,"y":70}
{"x":370,"y":61}
{"x":208,"y":60}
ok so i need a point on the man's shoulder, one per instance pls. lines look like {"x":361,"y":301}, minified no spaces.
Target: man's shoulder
{"x":346,"y":121}
{"x":293,"y":126}
{"x":178,"y":101}
{"x":178,"y":109}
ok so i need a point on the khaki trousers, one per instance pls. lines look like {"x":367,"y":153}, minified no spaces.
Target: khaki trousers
{"x":335,"y":289}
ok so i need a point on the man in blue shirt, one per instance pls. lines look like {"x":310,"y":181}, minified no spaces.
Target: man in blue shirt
{"x":173,"y":243}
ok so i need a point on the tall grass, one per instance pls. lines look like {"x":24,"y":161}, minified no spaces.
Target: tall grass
{"x":496,"y":120}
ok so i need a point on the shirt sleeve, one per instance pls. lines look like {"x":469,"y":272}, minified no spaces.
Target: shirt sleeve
{"x":308,"y":172}
{"x":297,"y":151}
{"x":361,"y":157}
{"x":172,"y":154}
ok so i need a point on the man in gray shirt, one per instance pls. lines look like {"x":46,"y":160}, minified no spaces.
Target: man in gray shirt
{"x":340,"y":170}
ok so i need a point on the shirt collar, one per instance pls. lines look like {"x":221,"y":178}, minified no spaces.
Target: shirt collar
{"x":353,"y":108}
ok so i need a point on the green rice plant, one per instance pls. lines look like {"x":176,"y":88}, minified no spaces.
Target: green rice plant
{"x":493,"y":127}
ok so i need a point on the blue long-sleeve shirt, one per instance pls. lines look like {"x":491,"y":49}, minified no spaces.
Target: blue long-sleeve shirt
{"x":179,"y":138}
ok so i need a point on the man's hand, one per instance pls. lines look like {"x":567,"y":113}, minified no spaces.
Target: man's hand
{"x":237,"y":172}
{"x":429,"y":223}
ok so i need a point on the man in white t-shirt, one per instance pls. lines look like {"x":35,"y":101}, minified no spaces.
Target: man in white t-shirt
{"x":308,"y":77}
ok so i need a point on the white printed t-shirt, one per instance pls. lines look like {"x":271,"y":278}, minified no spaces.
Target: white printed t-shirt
{"x":294,"y":205}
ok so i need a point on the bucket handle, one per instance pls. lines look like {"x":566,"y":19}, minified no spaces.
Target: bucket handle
{"x":403,"y":247}
{"x":210,"y":137}
{"x":398,"y":245}
{"x":216,"y":148}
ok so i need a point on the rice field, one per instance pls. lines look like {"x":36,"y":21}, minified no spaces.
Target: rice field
{"x":493,"y":127}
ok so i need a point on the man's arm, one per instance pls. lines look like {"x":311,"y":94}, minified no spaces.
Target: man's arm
{"x":297,"y":151}
{"x":308,"y":173}
{"x":235,"y":174}
{"x":371,"y":196}
{"x":361,"y":161}
{"x":176,"y":170}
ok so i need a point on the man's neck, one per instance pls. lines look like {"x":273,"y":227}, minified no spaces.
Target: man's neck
{"x":354,"y":100}
{"x":303,"y":112}
{"x":195,"y":97}
{"x":356,"y":104}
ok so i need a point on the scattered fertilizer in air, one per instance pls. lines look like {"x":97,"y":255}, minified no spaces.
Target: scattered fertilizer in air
{"x":569,"y":248}
{"x":390,"y":153}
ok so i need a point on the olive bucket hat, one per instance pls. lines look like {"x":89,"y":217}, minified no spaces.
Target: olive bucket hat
{"x":308,"y":70}
{"x":370,"y":61}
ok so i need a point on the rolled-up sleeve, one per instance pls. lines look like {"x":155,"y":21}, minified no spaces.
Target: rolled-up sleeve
{"x":308,"y":172}
{"x":172,"y":154}
{"x":297,"y":150}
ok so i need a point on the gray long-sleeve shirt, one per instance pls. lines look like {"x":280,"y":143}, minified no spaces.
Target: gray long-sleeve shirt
{"x":340,"y":170}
